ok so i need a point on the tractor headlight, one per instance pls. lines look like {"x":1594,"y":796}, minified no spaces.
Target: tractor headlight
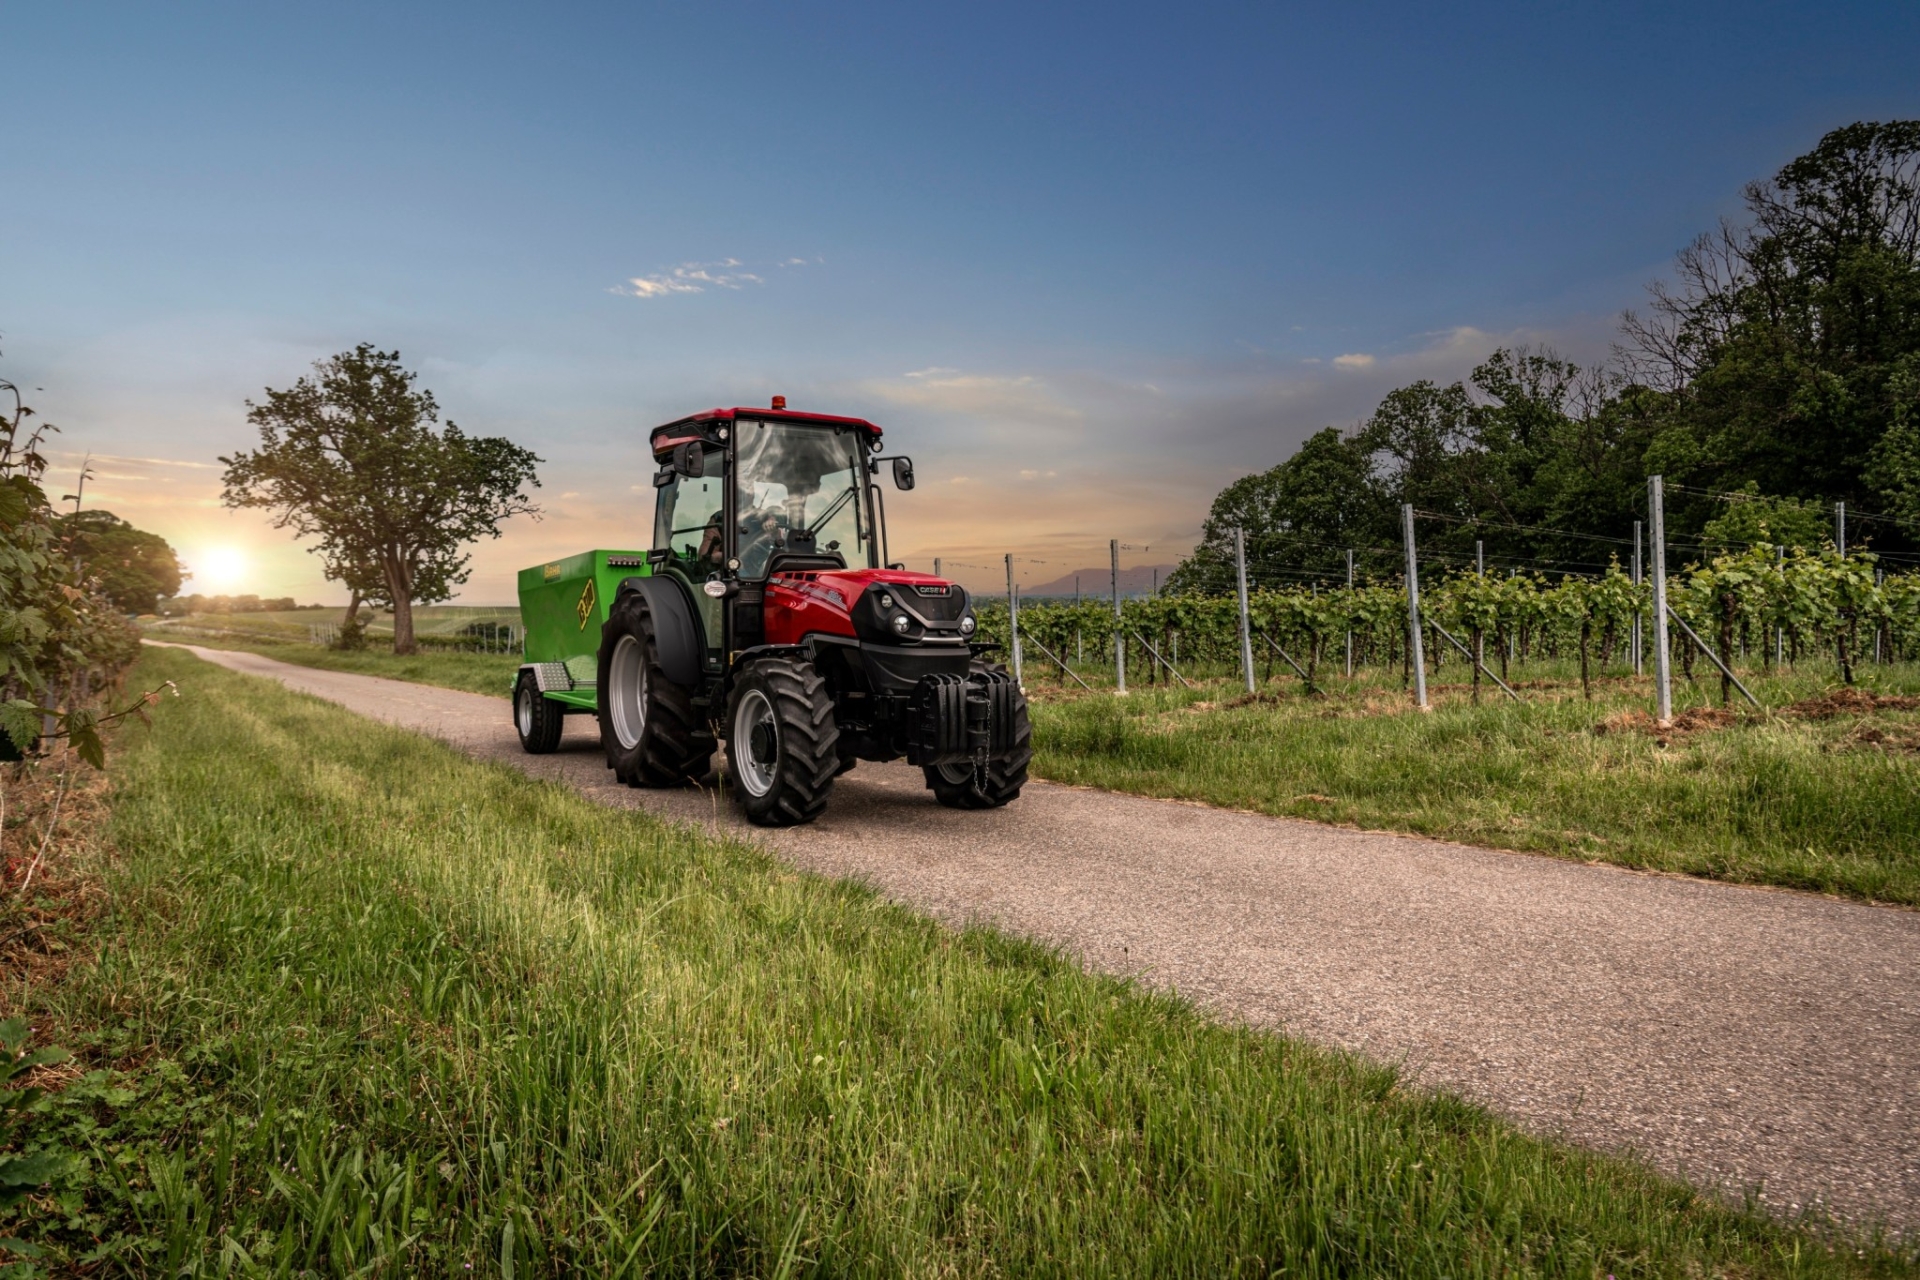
{"x":900,"y":624}
{"x":967,"y":625}
{"x":886,"y":601}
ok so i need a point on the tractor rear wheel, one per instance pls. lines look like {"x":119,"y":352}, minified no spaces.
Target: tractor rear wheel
{"x":961,"y":786}
{"x":652,"y":734}
{"x":538,"y":719}
{"x":782,"y":742}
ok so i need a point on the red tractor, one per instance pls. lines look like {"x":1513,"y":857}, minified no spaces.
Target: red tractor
{"x":766,"y":616}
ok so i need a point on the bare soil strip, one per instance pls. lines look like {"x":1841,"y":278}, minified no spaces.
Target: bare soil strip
{"x":1749,"y":1039}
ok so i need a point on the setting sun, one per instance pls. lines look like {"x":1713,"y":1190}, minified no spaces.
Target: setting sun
{"x":218,"y":570}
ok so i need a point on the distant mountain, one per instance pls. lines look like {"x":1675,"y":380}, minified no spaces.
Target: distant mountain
{"x":1097,"y":583}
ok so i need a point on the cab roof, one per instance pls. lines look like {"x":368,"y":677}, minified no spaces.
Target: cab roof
{"x":694,"y":426}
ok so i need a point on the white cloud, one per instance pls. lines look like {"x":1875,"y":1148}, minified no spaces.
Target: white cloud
{"x":1357,"y":360}
{"x":690,"y":277}
{"x":937,"y":371}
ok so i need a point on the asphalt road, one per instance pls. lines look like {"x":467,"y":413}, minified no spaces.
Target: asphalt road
{"x":1741,"y":1038}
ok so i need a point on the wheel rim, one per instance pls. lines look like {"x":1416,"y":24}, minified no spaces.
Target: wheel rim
{"x":956,"y":773}
{"x":523,"y":711}
{"x":756,"y":743}
{"x":627,"y":692}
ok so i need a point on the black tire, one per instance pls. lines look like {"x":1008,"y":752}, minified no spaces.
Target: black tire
{"x":536,"y":718}
{"x":652,"y":735}
{"x":962,"y":786}
{"x":781,"y":742}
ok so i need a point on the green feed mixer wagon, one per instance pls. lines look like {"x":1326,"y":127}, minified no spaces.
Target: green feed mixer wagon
{"x":765,"y":616}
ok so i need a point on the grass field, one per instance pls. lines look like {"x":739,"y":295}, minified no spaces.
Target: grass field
{"x":1820,"y":801}
{"x":298,"y":624}
{"x":375,"y":1009}
{"x":488,"y":673}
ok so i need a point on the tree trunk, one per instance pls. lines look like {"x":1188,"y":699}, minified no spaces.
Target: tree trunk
{"x":401,"y":592}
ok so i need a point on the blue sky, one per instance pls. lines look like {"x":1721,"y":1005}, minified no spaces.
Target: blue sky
{"x":1087,"y":263}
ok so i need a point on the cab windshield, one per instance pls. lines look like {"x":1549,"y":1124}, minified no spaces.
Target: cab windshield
{"x":800,"y":489}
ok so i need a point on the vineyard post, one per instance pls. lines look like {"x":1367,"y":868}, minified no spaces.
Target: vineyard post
{"x":1479,"y":640}
{"x":1662,"y":675}
{"x":1879,"y":580}
{"x":1246,"y":631}
{"x":1416,"y":660}
{"x":1636,"y":642}
{"x":1779,"y":632}
{"x":1013,"y":622}
{"x":1119,"y":634}
{"x":1840,"y":541}
{"x":1349,"y":629}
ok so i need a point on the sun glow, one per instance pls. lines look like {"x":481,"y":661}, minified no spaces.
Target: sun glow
{"x":218,"y":570}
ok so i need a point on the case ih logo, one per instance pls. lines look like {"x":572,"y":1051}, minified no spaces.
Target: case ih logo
{"x":933,"y":591}
{"x":585,"y":608}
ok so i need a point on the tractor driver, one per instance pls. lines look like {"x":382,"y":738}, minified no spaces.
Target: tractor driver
{"x":713,"y":550}
{"x":766,"y":534}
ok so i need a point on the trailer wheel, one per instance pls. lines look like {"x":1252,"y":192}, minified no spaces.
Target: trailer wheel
{"x":648,"y":726}
{"x":961,"y":786}
{"x":782,"y":740}
{"x":538,"y":719}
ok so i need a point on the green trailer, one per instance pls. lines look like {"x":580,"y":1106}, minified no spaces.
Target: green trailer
{"x":563,"y":605}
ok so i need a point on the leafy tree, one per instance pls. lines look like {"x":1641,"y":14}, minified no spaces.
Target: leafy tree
{"x":1779,"y":343}
{"x":60,"y":642}
{"x":1783,"y":359}
{"x":134,"y":569}
{"x":1298,"y":518}
{"x":351,"y":457}
{"x":1895,"y":467}
{"x":1769,"y":521}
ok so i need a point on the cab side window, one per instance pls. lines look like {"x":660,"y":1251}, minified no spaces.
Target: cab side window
{"x":689,"y":523}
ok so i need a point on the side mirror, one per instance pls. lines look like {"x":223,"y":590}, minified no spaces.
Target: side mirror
{"x":690,"y":459}
{"x":903,"y":473}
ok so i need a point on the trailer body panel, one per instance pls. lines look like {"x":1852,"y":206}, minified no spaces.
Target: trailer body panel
{"x":562,"y":606}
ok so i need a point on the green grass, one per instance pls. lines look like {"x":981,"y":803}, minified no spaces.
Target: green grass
{"x":297,"y":624}
{"x":382,"y":1010}
{"x":488,"y":673}
{"x":1771,"y":799}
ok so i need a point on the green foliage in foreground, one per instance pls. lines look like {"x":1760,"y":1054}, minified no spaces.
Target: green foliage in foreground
{"x":1831,"y":805}
{"x":409,"y":1014}
{"x":488,"y":673}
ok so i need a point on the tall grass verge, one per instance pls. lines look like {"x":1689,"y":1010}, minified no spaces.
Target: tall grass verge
{"x":1826,"y":798}
{"x":381,"y":1010}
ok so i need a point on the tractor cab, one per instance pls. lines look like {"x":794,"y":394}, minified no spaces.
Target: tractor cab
{"x":768,"y":617}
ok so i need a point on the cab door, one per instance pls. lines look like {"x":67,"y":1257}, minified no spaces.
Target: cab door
{"x":690,"y":542}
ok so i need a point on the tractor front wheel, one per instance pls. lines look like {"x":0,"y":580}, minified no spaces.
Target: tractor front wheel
{"x":961,"y":786}
{"x":538,"y":719}
{"x":652,"y":734}
{"x":782,"y":740}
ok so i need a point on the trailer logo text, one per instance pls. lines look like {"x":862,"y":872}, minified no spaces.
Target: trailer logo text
{"x":585,"y":607}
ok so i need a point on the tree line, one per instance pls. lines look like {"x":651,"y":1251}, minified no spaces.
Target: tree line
{"x":1776,"y":373}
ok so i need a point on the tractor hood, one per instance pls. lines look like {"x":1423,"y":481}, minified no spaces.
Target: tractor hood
{"x":878,"y":606}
